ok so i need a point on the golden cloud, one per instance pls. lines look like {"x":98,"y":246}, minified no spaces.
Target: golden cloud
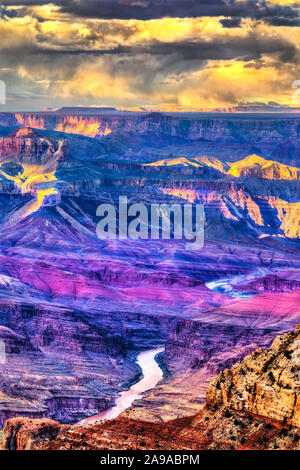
{"x":29,"y":42}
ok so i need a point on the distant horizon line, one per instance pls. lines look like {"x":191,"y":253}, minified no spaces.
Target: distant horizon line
{"x":257,"y":108}
{"x":92,"y":110}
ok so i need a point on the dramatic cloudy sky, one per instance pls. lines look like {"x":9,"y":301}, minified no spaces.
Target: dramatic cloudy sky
{"x":194,"y":53}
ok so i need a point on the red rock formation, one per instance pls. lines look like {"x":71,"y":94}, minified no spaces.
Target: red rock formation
{"x":266,"y":383}
{"x":25,"y":433}
{"x":26,"y":145}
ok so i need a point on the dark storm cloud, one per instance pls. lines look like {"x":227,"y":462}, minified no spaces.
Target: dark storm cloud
{"x":223,"y":49}
{"x":96,"y":59}
{"x":290,"y":22}
{"x":5,"y":13}
{"x":231,"y":22}
{"x":192,"y":52}
{"x":154,"y":9}
{"x":29,"y":3}
{"x":248,"y":48}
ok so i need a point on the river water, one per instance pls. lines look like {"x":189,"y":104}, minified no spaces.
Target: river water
{"x":152,"y":374}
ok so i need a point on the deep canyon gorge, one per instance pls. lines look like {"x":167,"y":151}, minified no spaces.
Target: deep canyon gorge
{"x":76,"y":311}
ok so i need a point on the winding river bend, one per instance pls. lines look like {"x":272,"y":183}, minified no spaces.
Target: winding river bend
{"x":152,"y":374}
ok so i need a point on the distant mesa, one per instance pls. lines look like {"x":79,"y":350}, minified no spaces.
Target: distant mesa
{"x":84,"y":110}
{"x":154,"y":115}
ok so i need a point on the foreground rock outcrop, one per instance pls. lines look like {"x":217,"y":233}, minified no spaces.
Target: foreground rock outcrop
{"x":266,"y":383}
{"x":25,"y":433}
{"x":255,"y":405}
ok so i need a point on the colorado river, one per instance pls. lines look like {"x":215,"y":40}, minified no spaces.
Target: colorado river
{"x":152,"y":374}
{"x":225,"y":286}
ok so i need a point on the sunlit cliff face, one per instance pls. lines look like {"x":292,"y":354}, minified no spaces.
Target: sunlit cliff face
{"x":41,"y":196}
{"x":287,"y":213}
{"x":32,"y":175}
{"x":31,"y":121}
{"x":36,"y":177}
{"x":29,"y":182}
{"x":253,"y":165}
{"x":89,"y":127}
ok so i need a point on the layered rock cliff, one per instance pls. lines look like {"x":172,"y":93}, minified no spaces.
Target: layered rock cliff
{"x":272,"y":136}
{"x":230,"y":128}
{"x":27,"y":146}
{"x":251,"y":166}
